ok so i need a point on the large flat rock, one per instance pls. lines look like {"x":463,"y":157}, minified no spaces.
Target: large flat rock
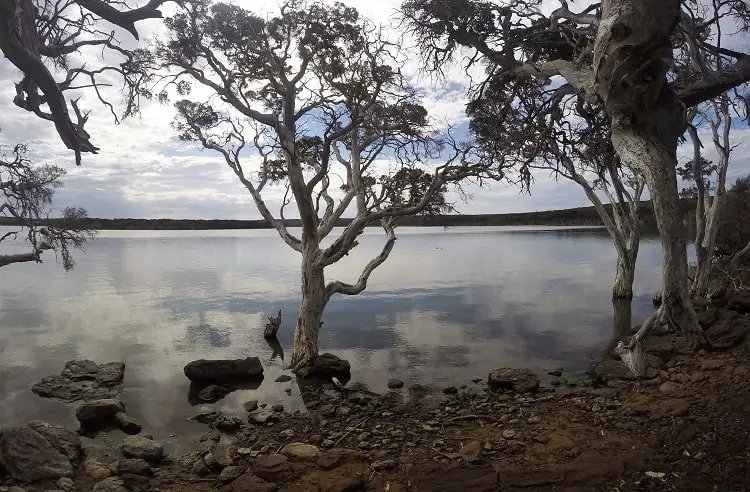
{"x":83,"y":380}
{"x":38,"y":451}
{"x":219,"y":371}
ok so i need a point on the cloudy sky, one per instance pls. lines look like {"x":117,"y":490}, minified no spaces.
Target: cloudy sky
{"x":144,"y":171}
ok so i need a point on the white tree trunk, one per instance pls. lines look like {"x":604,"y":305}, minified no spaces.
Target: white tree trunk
{"x":654,"y":155}
{"x":314,"y":301}
{"x":623,"y":286}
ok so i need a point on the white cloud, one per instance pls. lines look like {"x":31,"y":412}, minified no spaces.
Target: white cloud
{"x":143,"y":170}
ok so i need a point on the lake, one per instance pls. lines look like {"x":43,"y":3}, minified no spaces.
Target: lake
{"x":447,"y":307}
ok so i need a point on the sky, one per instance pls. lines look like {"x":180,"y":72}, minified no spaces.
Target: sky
{"x":144,"y":171}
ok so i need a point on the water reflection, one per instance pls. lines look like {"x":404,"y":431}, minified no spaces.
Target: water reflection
{"x":485,"y":298}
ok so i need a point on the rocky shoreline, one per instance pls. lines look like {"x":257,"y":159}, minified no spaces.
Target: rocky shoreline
{"x":688,"y":426}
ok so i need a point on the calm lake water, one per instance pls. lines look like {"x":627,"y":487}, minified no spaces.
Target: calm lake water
{"x":448,"y":306}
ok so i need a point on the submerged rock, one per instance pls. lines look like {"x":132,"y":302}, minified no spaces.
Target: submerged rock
{"x":518,"y":380}
{"x":98,"y":412}
{"x":212,"y":393}
{"x":127,"y":424}
{"x":83,"y":380}
{"x":38,"y":451}
{"x":395,"y":384}
{"x":223,"y":370}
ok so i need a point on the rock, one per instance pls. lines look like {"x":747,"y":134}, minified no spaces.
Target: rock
{"x":228,"y":423}
{"x":220,"y":371}
{"x":98,"y":411}
{"x":360,"y":398}
{"x":342,"y":411}
{"x":143,"y":448}
{"x":533,"y":420}
{"x":509,"y":434}
{"x":286,"y":433}
{"x":250,"y":405}
{"x":669,"y":388}
{"x":230,"y":473}
{"x":518,"y":380}
{"x":200,"y":468}
{"x":712,"y":364}
{"x":730,"y":331}
{"x":96,"y":463}
{"x":127,"y":424}
{"x":134,"y":466}
{"x":384,"y":465}
{"x":222,"y":455}
{"x":284,"y":378}
{"x":208,"y":417}
{"x":112,"y":484}
{"x":472,"y":451}
{"x":277,"y":408}
{"x":65,"y":483}
{"x":38,"y":451}
{"x":740,"y":303}
{"x":249,"y":482}
{"x":301,"y":451}
{"x":100,"y":381}
{"x":608,"y":369}
{"x":136,"y":483}
{"x":212,"y":393}
{"x":336,"y":457}
{"x":327,"y":366}
{"x":395,"y":384}
{"x":244,"y":451}
{"x":271,"y":467}
{"x":262,"y":416}
{"x":450,"y":390}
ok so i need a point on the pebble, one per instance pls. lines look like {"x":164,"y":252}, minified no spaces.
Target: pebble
{"x":384,"y":465}
{"x":287,"y":433}
{"x":244,"y":451}
{"x":65,"y":483}
{"x":509,"y":434}
{"x":534,"y":420}
{"x":284,"y":378}
{"x":251,"y":405}
{"x":342,"y":411}
{"x":278,"y":407}
{"x":230,"y":473}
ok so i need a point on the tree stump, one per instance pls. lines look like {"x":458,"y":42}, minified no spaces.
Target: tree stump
{"x":272,"y":327}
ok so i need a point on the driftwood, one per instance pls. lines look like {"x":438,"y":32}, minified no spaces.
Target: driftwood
{"x":272,"y":327}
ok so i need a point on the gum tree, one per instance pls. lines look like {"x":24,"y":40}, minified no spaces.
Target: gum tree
{"x":311,"y":99}
{"x":26,"y":192}
{"x":570,"y":139}
{"x":64,"y":46}
{"x":709,"y":209}
{"x":619,"y":55}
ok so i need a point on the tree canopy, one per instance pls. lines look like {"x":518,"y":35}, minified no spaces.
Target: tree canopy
{"x":26,"y":193}
{"x":41,"y":37}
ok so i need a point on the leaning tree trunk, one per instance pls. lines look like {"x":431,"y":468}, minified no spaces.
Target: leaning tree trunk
{"x":305,"y":349}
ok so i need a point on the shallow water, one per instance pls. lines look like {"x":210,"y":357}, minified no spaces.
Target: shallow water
{"x":448,"y":306}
